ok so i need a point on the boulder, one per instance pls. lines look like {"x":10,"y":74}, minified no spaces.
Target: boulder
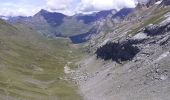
{"x":117,"y":51}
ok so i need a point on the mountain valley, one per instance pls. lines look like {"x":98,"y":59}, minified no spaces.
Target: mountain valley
{"x":106,"y":55}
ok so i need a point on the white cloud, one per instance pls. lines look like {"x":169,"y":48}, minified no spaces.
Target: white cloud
{"x":20,"y":7}
{"x":11,"y":9}
{"x":86,"y":6}
{"x":68,"y":7}
{"x":62,"y":6}
{"x":58,"y":4}
{"x":17,"y":12}
{"x":96,"y":5}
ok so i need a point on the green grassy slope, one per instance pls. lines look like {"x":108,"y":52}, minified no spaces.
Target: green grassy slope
{"x":156,"y":17}
{"x":31,"y":66}
{"x":71,"y":27}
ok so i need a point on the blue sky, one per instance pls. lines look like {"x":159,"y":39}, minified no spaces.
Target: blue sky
{"x":69,"y":7}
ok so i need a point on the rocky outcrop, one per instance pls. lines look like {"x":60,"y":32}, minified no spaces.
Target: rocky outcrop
{"x":123,"y":13}
{"x":141,"y":6}
{"x":151,"y":2}
{"x":157,"y":29}
{"x":145,"y":77}
{"x":117,"y":51}
{"x":166,"y":2}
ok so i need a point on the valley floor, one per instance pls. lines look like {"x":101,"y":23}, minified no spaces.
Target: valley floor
{"x":32,"y":66}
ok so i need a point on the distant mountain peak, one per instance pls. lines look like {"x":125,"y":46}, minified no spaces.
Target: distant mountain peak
{"x":57,"y":24}
{"x":89,"y":18}
{"x":53,"y":18}
{"x":123,"y":12}
{"x":43,"y":11}
{"x":141,"y":6}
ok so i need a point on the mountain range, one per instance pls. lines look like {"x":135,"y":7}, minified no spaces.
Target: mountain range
{"x":57,"y":24}
{"x":54,"y":24}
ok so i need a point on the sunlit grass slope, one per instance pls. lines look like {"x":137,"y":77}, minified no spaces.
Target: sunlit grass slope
{"x":31,"y":66}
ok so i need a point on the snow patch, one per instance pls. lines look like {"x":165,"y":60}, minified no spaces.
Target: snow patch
{"x":4,"y":18}
{"x":140,"y":36}
{"x":159,"y":2}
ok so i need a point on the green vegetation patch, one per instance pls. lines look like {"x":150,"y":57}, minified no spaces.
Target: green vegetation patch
{"x":157,"y":17}
{"x":32,"y":66}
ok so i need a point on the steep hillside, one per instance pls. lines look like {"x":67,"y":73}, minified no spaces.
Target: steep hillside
{"x":131,"y":60}
{"x":32,"y":66}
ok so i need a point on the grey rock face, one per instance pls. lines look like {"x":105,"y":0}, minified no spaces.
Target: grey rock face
{"x":118,"y":51}
{"x":151,"y":2}
{"x":157,"y":29}
{"x":166,"y":2}
{"x":126,"y":49}
{"x":145,"y":76}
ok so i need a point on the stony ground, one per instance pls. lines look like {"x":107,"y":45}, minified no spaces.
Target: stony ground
{"x":145,"y":77}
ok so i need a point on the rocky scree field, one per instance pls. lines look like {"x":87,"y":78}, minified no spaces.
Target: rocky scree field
{"x":138,"y":69}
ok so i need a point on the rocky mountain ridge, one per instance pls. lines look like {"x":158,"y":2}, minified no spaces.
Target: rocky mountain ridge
{"x":56,"y":24}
